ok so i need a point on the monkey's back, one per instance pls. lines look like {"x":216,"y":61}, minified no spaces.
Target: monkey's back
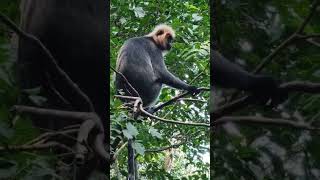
{"x":135,"y":62}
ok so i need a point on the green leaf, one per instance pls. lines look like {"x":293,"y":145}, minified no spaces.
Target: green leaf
{"x":33,"y":91}
{"x":127,"y":134}
{"x":38,"y":100}
{"x":8,"y":169}
{"x":139,"y":12}
{"x":139,"y":148}
{"x":132,"y":129}
{"x":154,"y":132}
{"x":5,"y":131}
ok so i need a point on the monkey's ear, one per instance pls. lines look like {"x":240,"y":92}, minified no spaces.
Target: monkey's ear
{"x":160,"y":32}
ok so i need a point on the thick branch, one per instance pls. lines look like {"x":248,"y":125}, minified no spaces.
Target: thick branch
{"x":294,"y":86}
{"x":301,"y":86}
{"x":52,"y":113}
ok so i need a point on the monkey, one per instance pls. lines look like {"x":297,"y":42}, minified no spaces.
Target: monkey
{"x":229,"y":75}
{"x":75,"y":32}
{"x":141,"y":61}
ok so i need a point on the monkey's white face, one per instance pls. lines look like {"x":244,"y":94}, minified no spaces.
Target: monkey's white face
{"x":163,"y":36}
{"x":169,"y":41}
{"x":165,"y":41}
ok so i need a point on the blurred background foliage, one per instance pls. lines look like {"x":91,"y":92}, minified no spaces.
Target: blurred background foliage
{"x":188,"y":59}
{"x":247,"y":31}
{"x":14,"y":129}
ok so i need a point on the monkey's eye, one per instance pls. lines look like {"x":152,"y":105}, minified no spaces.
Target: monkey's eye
{"x":159,"y":33}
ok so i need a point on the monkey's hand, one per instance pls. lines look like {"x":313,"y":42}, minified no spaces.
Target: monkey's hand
{"x":194,"y":90}
{"x":265,"y":88}
{"x":150,"y":109}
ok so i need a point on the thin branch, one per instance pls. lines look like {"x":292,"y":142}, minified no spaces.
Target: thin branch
{"x":35,"y":147}
{"x":268,"y":59}
{"x":309,"y":36}
{"x":52,"y":134}
{"x":313,"y":42}
{"x":231,"y":107}
{"x":200,"y":74}
{"x":156,"y":150}
{"x":313,"y":9}
{"x":89,"y":120}
{"x":293,"y":37}
{"x":174,"y":99}
{"x":171,"y":121}
{"x":126,"y":97}
{"x":264,"y":120}
{"x":81,"y":116}
{"x":115,"y":155}
{"x":126,"y":80}
{"x":294,"y":86}
{"x":193,"y":100}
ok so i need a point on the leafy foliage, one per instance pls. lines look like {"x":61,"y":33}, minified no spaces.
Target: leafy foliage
{"x":18,"y":165}
{"x":188,"y":58}
{"x":247,"y":32}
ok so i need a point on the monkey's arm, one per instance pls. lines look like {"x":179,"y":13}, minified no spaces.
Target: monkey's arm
{"x":169,"y":79}
{"x":229,"y":75}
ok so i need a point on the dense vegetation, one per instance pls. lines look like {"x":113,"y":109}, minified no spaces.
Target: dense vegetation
{"x":15,"y":129}
{"x":247,"y":32}
{"x":189,"y":60}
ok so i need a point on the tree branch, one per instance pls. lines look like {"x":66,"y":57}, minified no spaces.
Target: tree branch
{"x":156,"y":150}
{"x":176,"y":98}
{"x":171,"y":121}
{"x":263,"y":120}
{"x":294,"y":86}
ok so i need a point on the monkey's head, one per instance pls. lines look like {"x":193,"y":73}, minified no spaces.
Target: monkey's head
{"x":163,"y":36}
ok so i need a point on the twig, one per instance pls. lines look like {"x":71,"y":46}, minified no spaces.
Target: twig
{"x":52,"y":134}
{"x":89,"y":120}
{"x":313,"y":42}
{"x":126,"y":80}
{"x":294,"y":86}
{"x":264,"y":120}
{"x":313,"y":9}
{"x":192,"y":100}
{"x":309,"y":36}
{"x":291,"y":38}
{"x":115,"y":155}
{"x":165,"y":148}
{"x":174,"y":99}
{"x":72,"y":115}
{"x":35,"y":147}
{"x":171,"y":121}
